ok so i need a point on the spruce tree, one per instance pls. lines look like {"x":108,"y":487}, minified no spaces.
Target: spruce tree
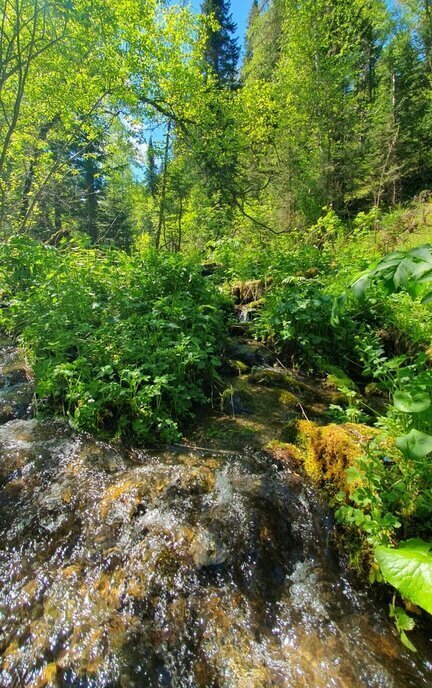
{"x":222,"y":51}
{"x":151,"y":173}
{"x":253,"y":15}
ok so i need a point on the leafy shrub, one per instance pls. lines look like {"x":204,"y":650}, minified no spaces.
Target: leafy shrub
{"x":121,"y":345}
{"x":279,"y":258}
{"x":296,"y":320}
{"x":392,"y":483}
{"x":409,"y":319}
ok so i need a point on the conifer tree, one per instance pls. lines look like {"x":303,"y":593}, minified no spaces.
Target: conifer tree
{"x":222,"y":51}
{"x":151,"y":174}
{"x":253,"y":14}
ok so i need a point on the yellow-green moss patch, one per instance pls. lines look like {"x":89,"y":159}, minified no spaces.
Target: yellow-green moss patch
{"x":329,"y":450}
{"x":284,"y":451}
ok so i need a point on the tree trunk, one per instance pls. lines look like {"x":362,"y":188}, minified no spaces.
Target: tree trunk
{"x":164,"y":187}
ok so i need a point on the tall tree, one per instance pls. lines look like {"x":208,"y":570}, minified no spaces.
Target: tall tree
{"x":316,"y":60}
{"x":221,"y":50}
{"x":63,"y":66}
{"x":251,"y":26}
{"x":151,"y":172}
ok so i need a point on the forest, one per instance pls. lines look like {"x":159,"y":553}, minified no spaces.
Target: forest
{"x":215,"y":249}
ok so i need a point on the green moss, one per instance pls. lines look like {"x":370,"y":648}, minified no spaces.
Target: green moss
{"x":374,"y":389}
{"x":236,"y":401}
{"x":271,"y":378}
{"x":290,"y":432}
{"x":239,"y":366}
{"x":336,"y":377}
{"x":284,"y":451}
{"x":288,"y":399}
{"x":231,"y":434}
{"x":329,"y":450}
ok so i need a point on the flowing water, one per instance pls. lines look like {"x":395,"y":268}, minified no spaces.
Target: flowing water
{"x":122,"y":568}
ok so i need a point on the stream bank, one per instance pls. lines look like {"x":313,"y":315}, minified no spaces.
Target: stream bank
{"x":211,"y":567}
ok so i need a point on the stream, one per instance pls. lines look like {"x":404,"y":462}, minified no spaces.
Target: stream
{"x":174,"y":569}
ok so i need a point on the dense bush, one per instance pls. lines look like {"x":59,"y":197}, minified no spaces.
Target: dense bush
{"x":296,"y":320}
{"x":121,"y":345}
{"x":252,"y":258}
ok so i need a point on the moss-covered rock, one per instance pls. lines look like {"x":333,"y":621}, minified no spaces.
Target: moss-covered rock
{"x":337,"y":383}
{"x":373,"y":389}
{"x":284,"y":451}
{"x":272,"y":378}
{"x":289,"y":400}
{"x":239,"y":367}
{"x":329,"y":450}
{"x":336,"y":377}
{"x":251,"y":353}
{"x":236,"y":402}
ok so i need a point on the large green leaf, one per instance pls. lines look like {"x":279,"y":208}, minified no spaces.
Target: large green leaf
{"x":411,"y":402}
{"x":423,"y":252}
{"x":415,"y":445}
{"x":338,"y":305}
{"x":399,"y":270}
{"x":361,"y":285}
{"x":409,"y":570}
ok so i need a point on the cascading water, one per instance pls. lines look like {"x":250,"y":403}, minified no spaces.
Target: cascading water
{"x":122,"y":568}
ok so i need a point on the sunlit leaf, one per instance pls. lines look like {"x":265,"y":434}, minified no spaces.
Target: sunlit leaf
{"x":411,"y":402}
{"x":415,"y":445}
{"x":409,"y":570}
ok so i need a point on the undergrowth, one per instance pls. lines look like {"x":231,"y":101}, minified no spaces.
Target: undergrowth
{"x":338,"y":301}
{"x":122,"y":345}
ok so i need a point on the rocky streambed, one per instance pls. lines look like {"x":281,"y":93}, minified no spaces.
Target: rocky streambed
{"x":210,"y":567}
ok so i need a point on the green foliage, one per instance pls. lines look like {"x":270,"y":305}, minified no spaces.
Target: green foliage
{"x":403,"y":623}
{"x":391,"y":485}
{"x":296,"y":319}
{"x":354,"y":411}
{"x":411,"y":321}
{"x":409,"y":569}
{"x":401,"y":270}
{"x":328,"y":228}
{"x":221,"y":50}
{"x":255,"y":258}
{"x":122,"y":345}
{"x":415,"y":445}
{"x":377,"y":499}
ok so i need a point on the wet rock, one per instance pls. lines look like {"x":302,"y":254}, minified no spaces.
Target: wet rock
{"x":14,"y":369}
{"x":186,"y":568}
{"x":16,"y":402}
{"x":14,"y":375}
{"x":208,"y":550}
{"x":235,"y":402}
{"x":246,"y":313}
{"x":251,"y":353}
{"x":285,"y":452}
